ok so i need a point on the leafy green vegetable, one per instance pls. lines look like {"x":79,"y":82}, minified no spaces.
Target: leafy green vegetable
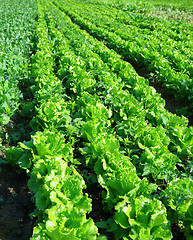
{"x":141,"y":218}
{"x":178,"y":197}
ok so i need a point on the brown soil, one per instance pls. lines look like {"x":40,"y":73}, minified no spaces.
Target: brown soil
{"x":15,"y":204}
{"x":172,"y":104}
{"x":94,"y":191}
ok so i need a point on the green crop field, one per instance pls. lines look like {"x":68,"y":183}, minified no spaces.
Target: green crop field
{"x":172,"y":3}
{"x":96,"y":117}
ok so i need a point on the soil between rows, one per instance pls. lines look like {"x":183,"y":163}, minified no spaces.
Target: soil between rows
{"x":15,"y":198}
{"x":15,"y":205}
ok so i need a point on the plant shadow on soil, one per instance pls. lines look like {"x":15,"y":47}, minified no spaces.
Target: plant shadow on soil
{"x":171,"y":103}
{"x":94,"y":191}
{"x":15,"y":197}
{"x":15,"y":204}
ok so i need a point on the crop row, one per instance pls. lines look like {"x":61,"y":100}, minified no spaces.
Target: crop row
{"x":61,"y":205}
{"x":103,"y":149}
{"x":172,"y":31}
{"x":132,"y":18}
{"x":163,"y":64}
{"x":145,"y":96}
{"x":47,"y":166}
{"x":92,"y":104}
{"x":152,"y":39}
{"x":16,"y":27}
{"x":73,"y":78}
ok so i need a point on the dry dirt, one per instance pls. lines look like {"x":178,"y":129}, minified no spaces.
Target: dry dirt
{"x":15,"y":204}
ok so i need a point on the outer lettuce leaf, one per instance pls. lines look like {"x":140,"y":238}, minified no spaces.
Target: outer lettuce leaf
{"x":141,"y":218}
{"x":178,"y":197}
{"x":53,"y":113}
{"x":48,"y":143}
